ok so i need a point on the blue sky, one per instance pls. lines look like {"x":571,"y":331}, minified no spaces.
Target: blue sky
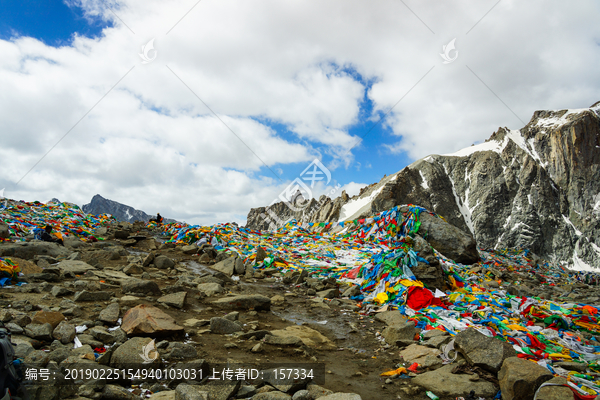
{"x":53,"y":22}
{"x":294,"y":80}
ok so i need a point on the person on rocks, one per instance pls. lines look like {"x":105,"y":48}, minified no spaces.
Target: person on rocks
{"x":47,"y":237}
{"x":158,"y":219}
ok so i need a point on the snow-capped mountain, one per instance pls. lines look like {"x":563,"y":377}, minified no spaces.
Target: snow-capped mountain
{"x":537,"y":187}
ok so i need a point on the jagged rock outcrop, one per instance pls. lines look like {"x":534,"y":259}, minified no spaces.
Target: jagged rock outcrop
{"x":537,"y":188}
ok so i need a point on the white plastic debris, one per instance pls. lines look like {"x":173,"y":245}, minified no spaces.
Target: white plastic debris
{"x":80,"y":328}
{"x":77,"y":343}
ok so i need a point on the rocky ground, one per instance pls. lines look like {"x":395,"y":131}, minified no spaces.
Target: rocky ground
{"x":206,"y":309}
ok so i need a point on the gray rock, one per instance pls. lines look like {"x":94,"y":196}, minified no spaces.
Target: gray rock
{"x":221,"y":390}
{"x":240,"y":269}
{"x":14,"y":328}
{"x":261,"y":254}
{"x":519,"y":379}
{"x":189,"y":249}
{"x":352,"y":291}
{"x":180,"y":351}
{"x":133,"y":269}
{"x":37,"y":358}
{"x":75,"y":266}
{"x":39,"y":331}
{"x":226,"y":266}
{"x":245,"y":302}
{"x":164,"y":395}
{"x":148,"y":260}
{"x":401,"y":334}
{"x":65,"y":332}
{"x":114,"y":392}
{"x":223,"y":326}
{"x":28,"y":250}
{"x":110,"y":314}
{"x":272,"y":396}
{"x":246,"y":391}
{"x":444,"y":383}
{"x":341,"y":396}
{"x":139,"y":287}
{"x":163,"y":262}
{"x":317,"y":391}
{"x":190,"y":392}
{"x":302,"y":395}
{"x":283,"y":340}
{"x":482,"y":351}
{"x":85,"y":295}
{"x":571,"y":366}
{"x":59,"y":291}
{"x":555,"y":392}
{"x":176,"y":300}
{"x":130,"y":353}
{"x":329,"y":293}
{"x":210,"y":289}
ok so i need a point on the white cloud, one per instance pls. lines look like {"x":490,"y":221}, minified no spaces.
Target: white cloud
{"x":153,"y":144}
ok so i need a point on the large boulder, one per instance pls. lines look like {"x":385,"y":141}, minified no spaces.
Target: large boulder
{"x":482,"y":351}
{"x":554,"y":392}
{"x":145,"y":320}
{"x":226,"y":266}
{"x":28,"y":250}
{"x":400,"y":334}
{"x":519,"y":379}
{"x":445,"y":384}
{"x":132,"y":351}
{"x":245,"y":302}
{"x":139,"y":287}
{"x":448,"y":239}
{"x":163,"y":262}
{"x":224,"y":326}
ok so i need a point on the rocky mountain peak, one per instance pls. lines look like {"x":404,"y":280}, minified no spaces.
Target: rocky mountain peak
{"x":537,"y":188}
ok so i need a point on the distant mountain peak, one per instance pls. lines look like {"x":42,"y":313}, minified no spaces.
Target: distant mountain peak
{"x":122,"y":212}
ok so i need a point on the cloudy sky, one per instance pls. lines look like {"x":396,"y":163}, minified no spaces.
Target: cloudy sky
{"x":201,"y":110}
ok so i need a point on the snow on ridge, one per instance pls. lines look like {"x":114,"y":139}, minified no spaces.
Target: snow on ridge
{"x":357,"y":206}
{"x":464,"y":209}
{"x":556,"y":121}
{"x":568,"y":221}
{"x":492,"y":145}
